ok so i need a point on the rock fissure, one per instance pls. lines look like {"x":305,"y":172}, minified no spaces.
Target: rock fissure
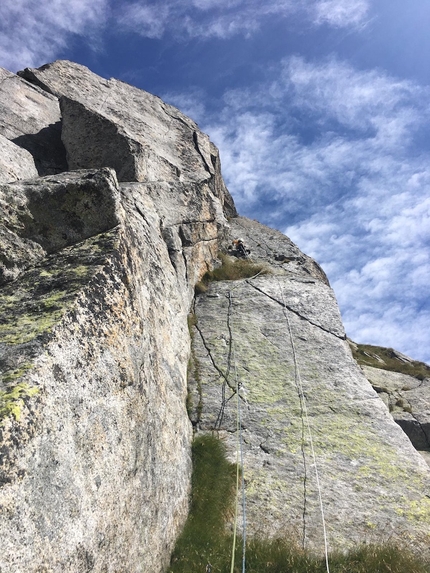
{"x":296,"y":312}
{"x":209,"y":353}
{"x":199,"y":151}
{"x":223,"y":375}
{"x":29,"y":77}
{"x":176,"y":117}
{"x":141,"y":213}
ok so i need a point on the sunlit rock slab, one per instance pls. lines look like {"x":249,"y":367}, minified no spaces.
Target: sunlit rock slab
{"x":280,"y":336}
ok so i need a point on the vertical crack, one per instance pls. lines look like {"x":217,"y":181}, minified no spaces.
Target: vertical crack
{"x":197,"y":147}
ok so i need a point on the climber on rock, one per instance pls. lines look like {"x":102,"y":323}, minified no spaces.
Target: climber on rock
{"x":239,"y":248}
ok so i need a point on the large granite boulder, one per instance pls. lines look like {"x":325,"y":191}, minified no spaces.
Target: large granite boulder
{"x":94,"y":435}
{"x":110,"y":123}
{"x":97,"y":280}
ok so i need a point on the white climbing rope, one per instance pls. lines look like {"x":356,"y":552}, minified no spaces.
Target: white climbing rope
{"x":239,"y":412}
{"x":233,"y":551}
{"x":239,"y":457}
{"x":308,"y":425}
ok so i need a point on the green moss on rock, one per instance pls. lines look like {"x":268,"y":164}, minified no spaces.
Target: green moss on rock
{"x":36,"y":302}
{"x":12,"y":400}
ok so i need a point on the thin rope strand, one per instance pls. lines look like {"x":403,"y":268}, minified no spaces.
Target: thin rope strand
{"x":237,"y":482}
{"x":239,"y":452}
{"x":238,"y":386}
{"x":233,"y":551}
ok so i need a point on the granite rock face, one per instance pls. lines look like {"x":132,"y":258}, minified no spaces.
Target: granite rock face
{"x":305,"y":407}
{"x":97,"y":279}
{"x":95,"y":450}
{"x":99,"y":255}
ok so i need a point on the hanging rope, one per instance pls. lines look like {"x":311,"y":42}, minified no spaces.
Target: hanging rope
{"x":243,"y":480}
{"x":305,"y":410}
{"x":233,"y":551}
{"x":239,"y":454}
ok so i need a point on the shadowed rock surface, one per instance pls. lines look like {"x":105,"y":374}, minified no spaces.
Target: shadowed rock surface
{"x":30,"y":117}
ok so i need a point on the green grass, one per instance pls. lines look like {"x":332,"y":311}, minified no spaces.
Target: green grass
{"x":206,"y":540}
{"x":231,"y":269}
{"x":386,"y":359}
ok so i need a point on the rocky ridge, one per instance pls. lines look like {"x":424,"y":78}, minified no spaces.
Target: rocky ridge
{"x":404,"y":386}
{"x":112,"y":208}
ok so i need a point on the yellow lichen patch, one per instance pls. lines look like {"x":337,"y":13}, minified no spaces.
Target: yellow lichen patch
{"x":266,"y":380}
{"x":24,"y":326}
{"x":418,"y":510}
{"x":12,"y":400}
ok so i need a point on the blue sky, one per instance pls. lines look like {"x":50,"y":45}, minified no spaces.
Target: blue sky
{"x":320,"y":109}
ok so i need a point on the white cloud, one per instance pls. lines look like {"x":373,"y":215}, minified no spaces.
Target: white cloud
{"x":340,"y":13}
{"x":33,"y":32}
{"x":226,"y":18}
{"x":148,"y":20}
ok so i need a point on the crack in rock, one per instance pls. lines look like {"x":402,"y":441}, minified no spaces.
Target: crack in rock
{"x":296,"y":312}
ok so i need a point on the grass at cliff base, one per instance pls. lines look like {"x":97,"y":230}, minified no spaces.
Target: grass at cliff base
{"x":205,"y":540}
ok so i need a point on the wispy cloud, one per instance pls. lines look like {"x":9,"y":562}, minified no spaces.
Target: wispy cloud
{"x":327,"y":153}
{"x":149,"y":20}
{"x":340,"y":13}
{"x":226,"y":18}
{"x":32,"y":33}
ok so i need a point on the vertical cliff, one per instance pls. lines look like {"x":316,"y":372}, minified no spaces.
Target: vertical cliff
{"x":112,"y":208}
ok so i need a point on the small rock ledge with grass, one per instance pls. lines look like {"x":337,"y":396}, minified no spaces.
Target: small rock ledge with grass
{"x":120,"y":312}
